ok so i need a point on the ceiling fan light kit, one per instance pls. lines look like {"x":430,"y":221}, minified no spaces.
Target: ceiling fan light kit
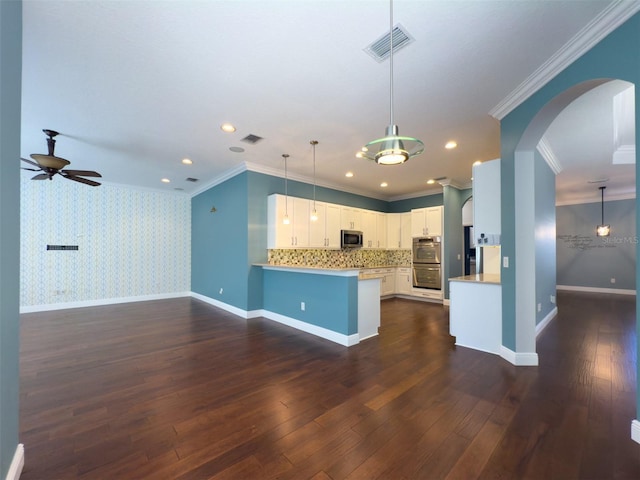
{"x":392,"y":149}
{"x":51,"y":165}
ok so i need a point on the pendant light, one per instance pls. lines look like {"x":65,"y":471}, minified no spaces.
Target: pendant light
{"x":392,"y":149}
{"x":602,"y":230}
{"x":285,"y":219}
{"x":314,"y":213}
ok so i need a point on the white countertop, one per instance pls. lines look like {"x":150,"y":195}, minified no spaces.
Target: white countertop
{"x":339,"y":272}
{"x":488,"y":278}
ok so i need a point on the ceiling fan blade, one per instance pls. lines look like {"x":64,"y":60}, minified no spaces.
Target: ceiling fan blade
{"x":30,"y":169}
{"x":82,"y":180}
{"x":42,"y":176}
{"x":84,"y":173}
{"x":29,"y":161}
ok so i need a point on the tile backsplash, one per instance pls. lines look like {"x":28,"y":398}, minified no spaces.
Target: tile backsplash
{"x":358,"y":258}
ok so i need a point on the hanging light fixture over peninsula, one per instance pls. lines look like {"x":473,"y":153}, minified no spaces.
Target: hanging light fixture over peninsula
{"x":602,"y":230}
{"x":392,"y":149}
{"x":314,"y":213}
{"x":285,"y":219}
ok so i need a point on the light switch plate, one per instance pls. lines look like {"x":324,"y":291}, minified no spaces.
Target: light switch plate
{"x":505,"y":262}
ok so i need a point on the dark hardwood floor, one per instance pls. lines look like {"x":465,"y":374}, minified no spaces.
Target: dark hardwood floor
{"x":177,"y":389}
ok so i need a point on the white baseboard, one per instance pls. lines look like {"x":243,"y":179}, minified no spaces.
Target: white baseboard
{"x":635,"y":431}
{"x":446,"y":302}
{"x":546,"y":321}
{"x":519,"y":359}
{"x":616,"y":291}
{"x":17,"y":464}
{"x":346,"y":340}
{"x":102,"y":301}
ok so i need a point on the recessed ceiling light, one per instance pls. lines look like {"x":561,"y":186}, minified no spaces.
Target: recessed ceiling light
{"x":227,"y":127}
{"x":477,"y":162}
{"x":187,"y":161}
{"x":384,"y":184}
{"x":165,"y":180}
{"x":431,"y":181}
{"x":348,"y":174}
{"x":236,"y":149}
{"x":450,"y":144}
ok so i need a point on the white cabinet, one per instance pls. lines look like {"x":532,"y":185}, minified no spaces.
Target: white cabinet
{"x":398,"y":230}
{"x":405,"y":230}
{"x":486,"y":202}
{"x":325,"y":232}
{"x":426,"y":221}
{"x":350,"y":218}
{"x":381,"y":230}
{"x":368,"y":228}
{"x":295,"y":234}
{"x":404,"y":284}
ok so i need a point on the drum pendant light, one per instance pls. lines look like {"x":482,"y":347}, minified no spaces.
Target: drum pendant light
{"x":392,"y":149}
{"x":602,"y":230}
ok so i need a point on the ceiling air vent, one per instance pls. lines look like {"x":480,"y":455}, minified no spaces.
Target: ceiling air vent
{"x":252,"y":139}
{"x":381,"y":48}
{"x":190,"y":179}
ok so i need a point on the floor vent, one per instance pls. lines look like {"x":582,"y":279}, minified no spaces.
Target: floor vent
{"x":252,"y":139}
{"x":381,"y":47}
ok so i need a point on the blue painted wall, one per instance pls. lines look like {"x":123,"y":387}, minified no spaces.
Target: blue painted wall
{"x":330,"y":302}
{"x":615,"y":57}
{"x":400,"y":206}
{"x":545,"y":241}
{"x":585,"y":260}
{"x":10,"y":91}
{"x":453,"y":233}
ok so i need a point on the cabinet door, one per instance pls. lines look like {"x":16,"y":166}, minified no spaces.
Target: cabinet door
{"x":394,"y":230}
{"x":388,"y":282}
{"x":418,"y":222}
{"x":350,"y":218}
{"x":404,"y":284}
{"x":332,"y":226}
{"x":405,"y":230}
{"x":381,"y":230}
{"x":300,"y":223}
{"x":279,"y":234}
{"x":317,"y":229}
{"x":434,"y":221}
{"x":368,"y":229}
{"x":486,"y":198}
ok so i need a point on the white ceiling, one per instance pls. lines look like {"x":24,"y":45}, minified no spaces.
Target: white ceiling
{"x":135,"y":86}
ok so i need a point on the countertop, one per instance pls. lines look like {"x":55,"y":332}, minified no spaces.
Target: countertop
{"x":488,"y":278}
{"x":361,"y":272}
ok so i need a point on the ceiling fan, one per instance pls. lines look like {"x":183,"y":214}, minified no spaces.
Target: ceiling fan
{"x":51,"y":165}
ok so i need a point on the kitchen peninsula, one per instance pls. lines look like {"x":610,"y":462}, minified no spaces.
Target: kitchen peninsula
{"x":475,"y":312}
{"x":334,"y":303}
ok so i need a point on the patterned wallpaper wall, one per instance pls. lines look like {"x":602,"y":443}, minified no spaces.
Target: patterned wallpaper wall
{"x":130,"y":242}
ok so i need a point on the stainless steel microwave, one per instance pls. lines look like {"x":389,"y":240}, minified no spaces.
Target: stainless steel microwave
{"x":350,"y":239}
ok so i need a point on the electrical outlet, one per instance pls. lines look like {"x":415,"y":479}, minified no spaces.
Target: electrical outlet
{"x":505,"y":262}
{"x":552,"y":298}
{"x":221,"y":290}
{"x":302,"y":306}
{"x":459,"y":257}
{"x":613,"y":280}
{"x":539,"y":307}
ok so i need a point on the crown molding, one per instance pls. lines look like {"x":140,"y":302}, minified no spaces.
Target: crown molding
{"x":607,"y":21}
{"x":549,"y":156}
{"x":408,"y":196}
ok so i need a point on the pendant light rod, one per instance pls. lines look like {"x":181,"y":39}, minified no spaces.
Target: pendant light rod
{"x":285,"y":219}
{"x":602,"y":205}
{"x":391,"y":62}
{"x":314,"y":215}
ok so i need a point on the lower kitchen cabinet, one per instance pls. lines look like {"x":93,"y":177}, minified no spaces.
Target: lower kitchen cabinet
{"x":404,"y":284}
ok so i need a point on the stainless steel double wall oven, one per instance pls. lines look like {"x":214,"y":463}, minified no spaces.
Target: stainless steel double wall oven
{"x":426,"y":263}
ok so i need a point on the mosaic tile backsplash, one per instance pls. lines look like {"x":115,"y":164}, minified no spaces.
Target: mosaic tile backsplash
{"x":359,"y":258}
{"x":130,"y":242}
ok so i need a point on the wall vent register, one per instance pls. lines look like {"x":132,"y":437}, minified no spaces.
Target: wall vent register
{"x":62,"y":247}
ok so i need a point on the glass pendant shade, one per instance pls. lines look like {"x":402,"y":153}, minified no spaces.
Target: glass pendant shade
{"x":392,"y":149}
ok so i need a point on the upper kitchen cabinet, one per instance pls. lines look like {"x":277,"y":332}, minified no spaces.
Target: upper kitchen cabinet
{"x":295,"y":234}
{"x":426,"y":222}
{"x":350,"y":218}
{"x":381,"y":230}
{"x":486,"y":203}
{"x":398,"y":230}
{"x":325,"y":232}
